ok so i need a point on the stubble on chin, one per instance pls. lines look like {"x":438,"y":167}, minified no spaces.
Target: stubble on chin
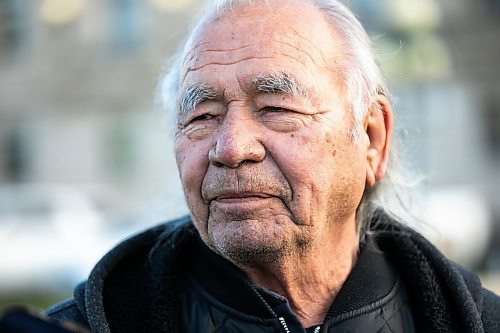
{"x":254,"y":242}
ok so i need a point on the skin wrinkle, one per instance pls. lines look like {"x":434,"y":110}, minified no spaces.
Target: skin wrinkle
{"x":187,"y":60}
{"x":192,"y":133}
{"x":292,"y":57}
{"x":302,"y":51}
{"x":196,"y":68}
{"x":225,"y":50}
{"x":242,"y":87}
{"x":298,"y":49}
{"x":304,"y":67}
{"x":288,"y":125}
{"x":305,"y":120}
{"x":310,"y":43}
{"x":192,"y":69}
{"x":304,"y":234}
{"x":340,"y":70}
{"x":269,"y":153}
{"x":224,"y":92}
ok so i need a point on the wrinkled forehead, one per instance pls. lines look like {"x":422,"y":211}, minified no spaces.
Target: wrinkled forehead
{"x":291,"y":28}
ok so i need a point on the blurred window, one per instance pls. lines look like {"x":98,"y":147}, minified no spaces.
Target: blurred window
{"x":125,"y":29}
{"x":12,"y":25}
{"x":492,"y":118}
{"x":16,"y":155}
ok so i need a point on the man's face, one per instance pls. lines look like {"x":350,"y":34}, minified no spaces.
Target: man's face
{"x":265,"y":155}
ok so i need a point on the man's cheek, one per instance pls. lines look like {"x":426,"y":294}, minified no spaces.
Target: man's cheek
{"x":198,"y":208}
{"x":192,"y":171}
{"x":192,"y":189}
{"x":191,"y":167}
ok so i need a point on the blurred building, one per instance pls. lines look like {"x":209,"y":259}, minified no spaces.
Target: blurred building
{"x":77,"y":84}
{"x":442,"y":58}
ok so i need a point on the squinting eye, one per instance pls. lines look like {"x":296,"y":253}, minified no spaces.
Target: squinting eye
{"x":274,"y":109}
{"x":202,"y":117}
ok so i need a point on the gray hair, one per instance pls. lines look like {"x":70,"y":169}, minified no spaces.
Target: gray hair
{"x":362,"y":82}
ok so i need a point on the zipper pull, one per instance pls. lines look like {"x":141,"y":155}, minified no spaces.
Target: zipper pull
{"x":316,"y":330}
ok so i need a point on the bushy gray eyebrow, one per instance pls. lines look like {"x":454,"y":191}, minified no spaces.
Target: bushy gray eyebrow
{"x":194,"y":95}
{"x":270,"y":83}
{"x":279,"y":83}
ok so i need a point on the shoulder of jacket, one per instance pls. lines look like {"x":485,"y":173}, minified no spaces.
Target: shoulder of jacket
{"x":65,"y":311}
{"x":471,"y":280}
{"x":491,"y":311}
{"x":62,"y":309}
{"x":488,"y":303}
{"x":160,"y":231}
{"x":145,"y":240}
{"x":72,"y":309}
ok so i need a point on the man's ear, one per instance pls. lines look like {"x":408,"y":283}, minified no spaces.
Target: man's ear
{"x":378,"y":128}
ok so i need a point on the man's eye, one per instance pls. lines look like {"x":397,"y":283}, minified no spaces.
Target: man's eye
{"x":202,"y":117}
{"x":274,"y":109}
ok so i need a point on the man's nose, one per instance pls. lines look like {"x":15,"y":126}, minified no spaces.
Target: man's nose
{"x":238,"y":141}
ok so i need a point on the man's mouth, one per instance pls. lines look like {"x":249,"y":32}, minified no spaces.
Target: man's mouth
{"x":238,"y":203}
{"x":236,"y":197}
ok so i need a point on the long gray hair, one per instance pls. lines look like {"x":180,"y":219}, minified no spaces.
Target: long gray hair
{"x":363,"y":81}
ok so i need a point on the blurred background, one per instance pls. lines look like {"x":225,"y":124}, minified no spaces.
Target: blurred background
{"x":86,"y":155}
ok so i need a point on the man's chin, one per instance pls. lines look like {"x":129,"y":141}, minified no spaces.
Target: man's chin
{"x":251,"y":241}
{"x":253,"y":254}
{"x":247,"y":241}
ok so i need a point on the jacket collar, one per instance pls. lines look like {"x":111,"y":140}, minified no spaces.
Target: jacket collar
{"x":371,"y":278}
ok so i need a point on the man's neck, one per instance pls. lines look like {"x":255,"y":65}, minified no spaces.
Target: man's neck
{"x":310,"y":282}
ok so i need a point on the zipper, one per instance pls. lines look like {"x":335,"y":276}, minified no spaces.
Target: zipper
{"x":283,"y":323}
{"x":268,"y":307}
{"x":281,"y":319}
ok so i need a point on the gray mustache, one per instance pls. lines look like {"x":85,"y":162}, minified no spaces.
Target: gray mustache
{"x":238,"y":182}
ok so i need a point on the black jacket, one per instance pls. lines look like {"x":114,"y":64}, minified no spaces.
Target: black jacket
{"x":145,"y":284}
{"x":218,"y":294}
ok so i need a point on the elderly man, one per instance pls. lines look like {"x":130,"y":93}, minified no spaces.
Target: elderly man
{"x":282,"y":142}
